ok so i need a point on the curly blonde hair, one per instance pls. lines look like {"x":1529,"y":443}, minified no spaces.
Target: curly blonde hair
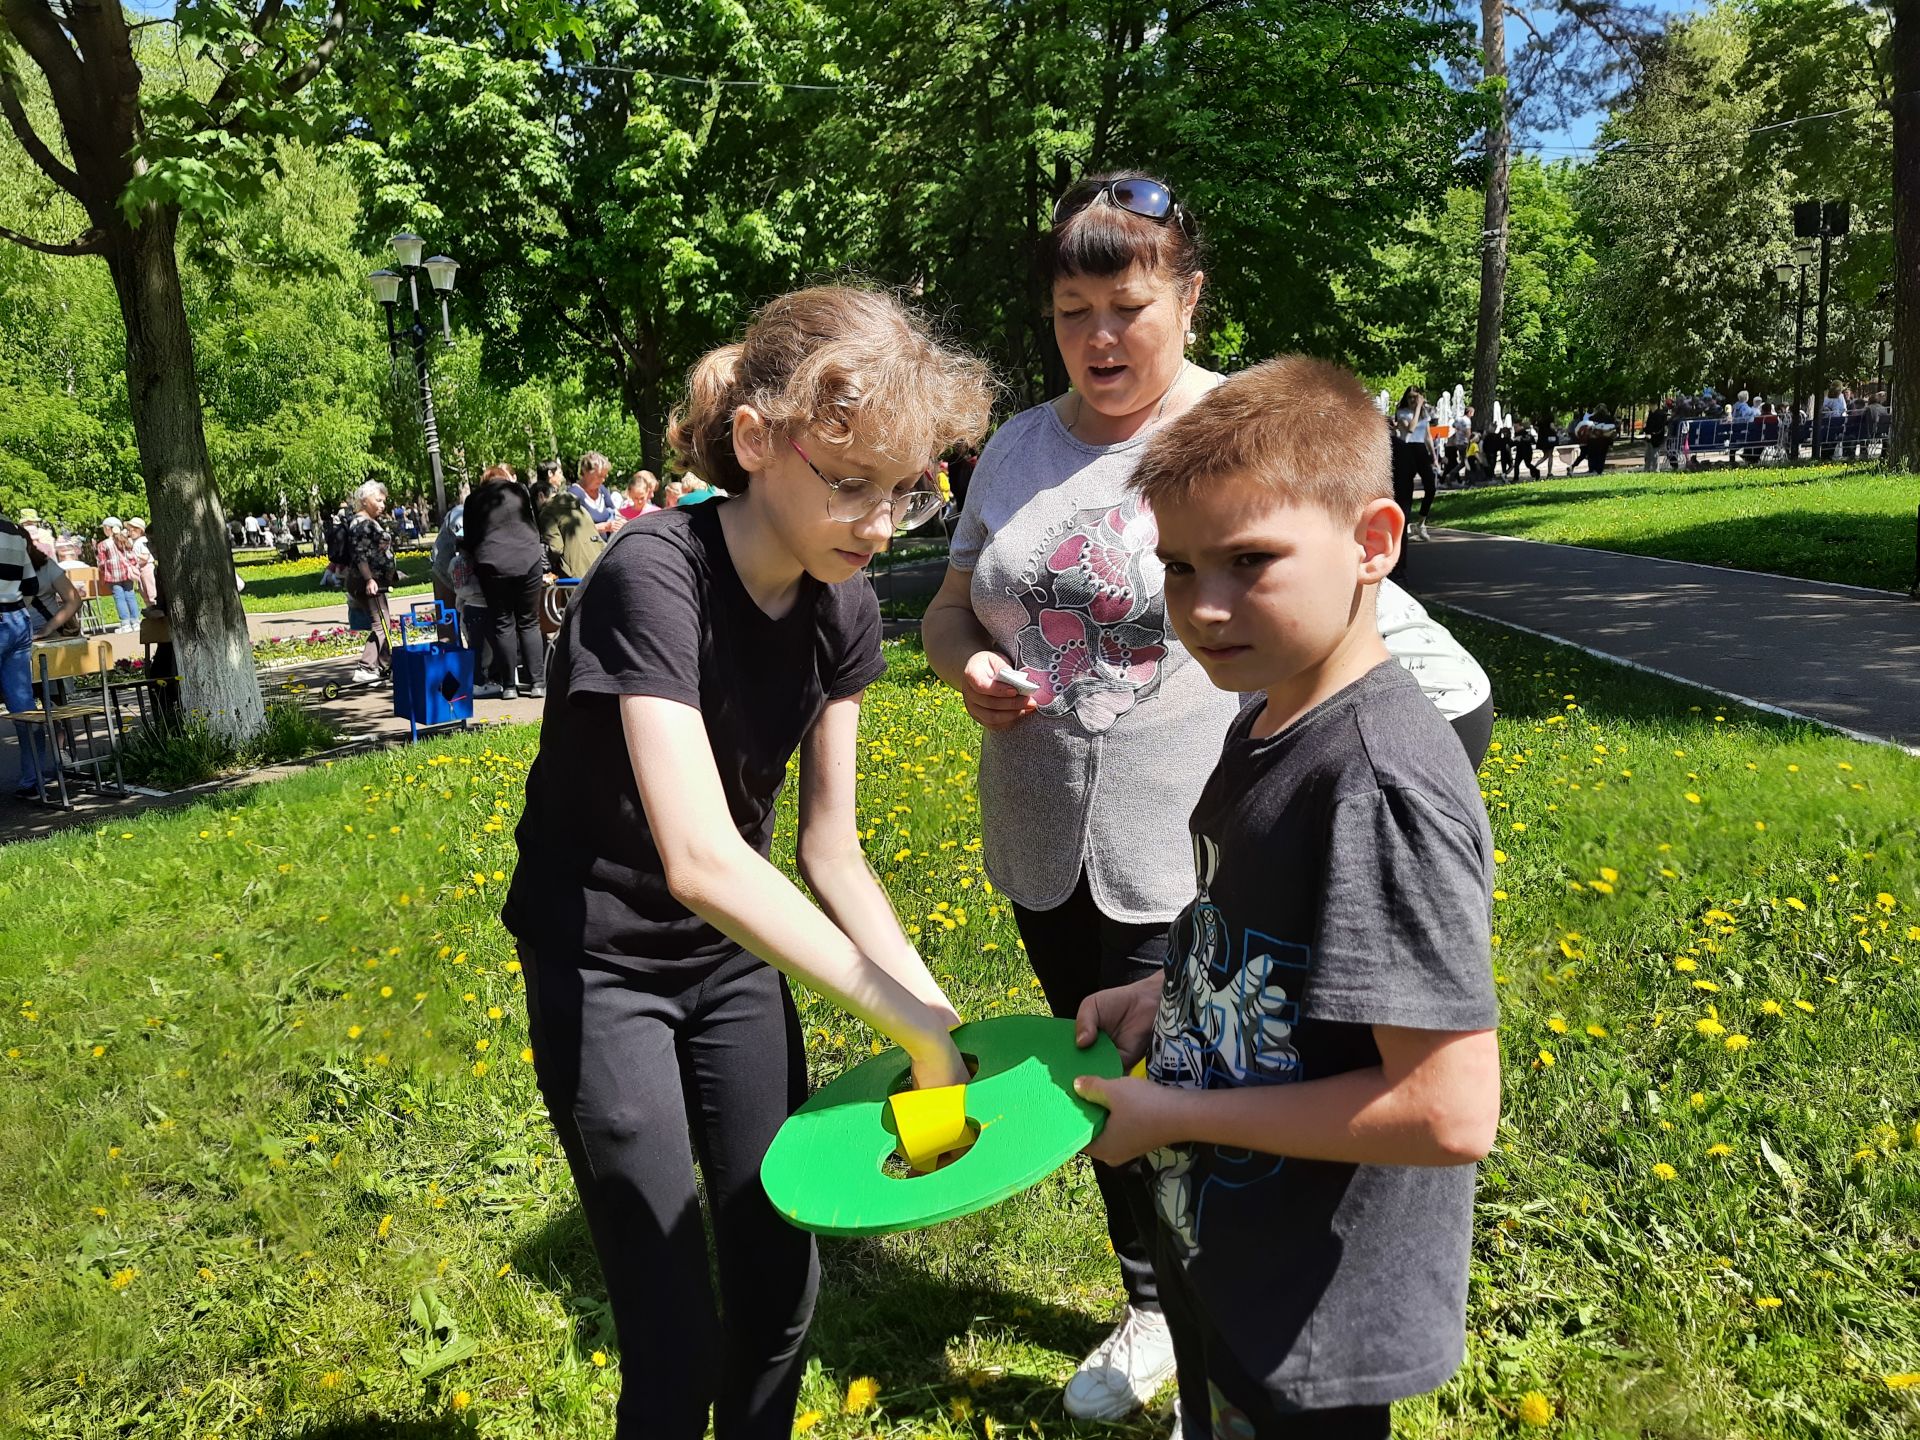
{"x":849,"y":363}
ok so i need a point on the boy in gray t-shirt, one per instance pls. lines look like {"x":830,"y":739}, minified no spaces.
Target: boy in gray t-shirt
{"x":1321,"y":1065}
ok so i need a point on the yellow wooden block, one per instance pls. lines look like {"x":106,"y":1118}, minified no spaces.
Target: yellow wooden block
{"x":1139,"y":1071}
{"x":929,"y":1123}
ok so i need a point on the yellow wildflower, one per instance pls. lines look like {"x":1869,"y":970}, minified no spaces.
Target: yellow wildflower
{"x":861,"y":1394}
{"x":1664,"y":1171}
{"x":1536,"y":1410}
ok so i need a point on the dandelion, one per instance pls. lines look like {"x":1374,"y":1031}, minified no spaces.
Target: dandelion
{"x":861,"y":1394}
{"x":1598,"y":1032}
{"x":1557,"y":1025}
{"x":1692,"y":799}
{"x":1546,"y":1059}
{"x":386,"y":1227}
{"x":1806,"y":1005}
{"x":1768,"y":1302}
{"x":1771,"y":1007}
{"x":1711,"y":1028}
{"x":1906,"y":1380}
{"x":807,"y":1420}
{"x":1736,"y":1043}
{"x":1719,"y":1149}
{"x":599,"y":1359}
{"x":121,"y":1279}
{"x":1686,"y":966}
{"x":1536,"y":1410}
{"x":461,"y":1399}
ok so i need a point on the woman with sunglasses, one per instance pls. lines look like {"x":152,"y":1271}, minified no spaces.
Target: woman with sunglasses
{"x":708,"y":644}
{"x":1092,"y":763}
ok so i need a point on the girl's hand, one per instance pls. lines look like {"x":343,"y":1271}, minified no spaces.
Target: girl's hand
{"x":939,"y":1064}
{"x":1141,"y":1117}
{"x":990,"y":700}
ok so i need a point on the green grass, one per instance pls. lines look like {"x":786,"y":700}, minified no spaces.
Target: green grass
{"x":274,"y":585}
{"x":1850,"y":523}
{"x":241,"y":1036}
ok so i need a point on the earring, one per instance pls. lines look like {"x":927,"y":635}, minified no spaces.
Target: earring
{"x":1191,"y":337}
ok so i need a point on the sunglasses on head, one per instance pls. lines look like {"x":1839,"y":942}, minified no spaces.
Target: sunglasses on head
{"x":1133,"y":193}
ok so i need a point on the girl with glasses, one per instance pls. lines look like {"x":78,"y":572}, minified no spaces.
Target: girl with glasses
{"x":705,"y":647}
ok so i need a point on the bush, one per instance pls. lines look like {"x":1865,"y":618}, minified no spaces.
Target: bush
{"x":173,"y":754}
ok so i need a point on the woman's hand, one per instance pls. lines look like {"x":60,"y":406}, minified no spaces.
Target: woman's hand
{"x":991,"y":701}
{"x":373,"y":587}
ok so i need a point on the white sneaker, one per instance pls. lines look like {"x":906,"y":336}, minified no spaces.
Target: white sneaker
{"x":1423,"y":531}
{"x":1124,"y":1369}
{"x":1177,"y":1431}
{"x":363,"y":676}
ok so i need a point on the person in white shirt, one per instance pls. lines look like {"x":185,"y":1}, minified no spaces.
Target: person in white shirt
{"x":1833,"y":420}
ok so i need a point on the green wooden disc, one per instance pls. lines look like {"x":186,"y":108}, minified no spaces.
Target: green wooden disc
{"x":827,"y":1169}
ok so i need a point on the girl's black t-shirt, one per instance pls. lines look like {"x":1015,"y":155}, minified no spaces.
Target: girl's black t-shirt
{"x":664,"y":613}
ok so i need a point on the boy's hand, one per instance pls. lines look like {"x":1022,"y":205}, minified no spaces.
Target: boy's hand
{"x":1141,"y":1117}
{"x":1125,"y":1013}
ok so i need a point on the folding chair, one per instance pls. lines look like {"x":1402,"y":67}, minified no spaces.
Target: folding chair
{"x":74,"y":660}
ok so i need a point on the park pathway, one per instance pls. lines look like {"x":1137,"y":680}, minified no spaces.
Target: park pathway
{"x":1838,"y":654}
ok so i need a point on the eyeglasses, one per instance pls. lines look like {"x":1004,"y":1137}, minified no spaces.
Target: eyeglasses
{"x":1133,"y":193}
{"x":855,"y":498}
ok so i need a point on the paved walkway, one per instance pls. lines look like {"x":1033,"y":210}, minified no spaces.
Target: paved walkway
{"x":1837,"y":654}
{"x":364,"y":715}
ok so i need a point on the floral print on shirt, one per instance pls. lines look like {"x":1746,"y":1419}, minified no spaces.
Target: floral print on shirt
{"x":1096,"y":630}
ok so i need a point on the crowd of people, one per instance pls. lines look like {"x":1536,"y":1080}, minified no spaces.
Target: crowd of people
{"x":114,"y":561}
{"x":502,"y":543}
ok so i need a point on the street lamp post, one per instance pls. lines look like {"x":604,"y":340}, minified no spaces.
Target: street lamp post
{"x":387,"y":285}
{"x":1787,"y":271}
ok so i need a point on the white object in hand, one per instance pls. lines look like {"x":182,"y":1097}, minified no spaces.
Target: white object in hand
{"x":1019,"y":681}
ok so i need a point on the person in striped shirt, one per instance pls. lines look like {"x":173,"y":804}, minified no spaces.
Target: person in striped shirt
{"x":26,"y":572}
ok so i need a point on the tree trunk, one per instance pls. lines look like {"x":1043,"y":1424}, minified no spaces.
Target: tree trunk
{"x":188,"y":532}
{"x":1493,"y":234}
{"x":1903,"y":447}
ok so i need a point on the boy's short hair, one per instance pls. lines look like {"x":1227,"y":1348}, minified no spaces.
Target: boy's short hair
{"x":1306,"y":429}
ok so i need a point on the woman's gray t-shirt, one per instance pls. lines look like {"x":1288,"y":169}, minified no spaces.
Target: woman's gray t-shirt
{"x":1104,"y":776}
{"x":1065,"y":581}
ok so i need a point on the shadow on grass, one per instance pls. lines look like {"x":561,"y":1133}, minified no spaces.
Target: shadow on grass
{"x":377,"y":1427}
{"x":879,"y":1312}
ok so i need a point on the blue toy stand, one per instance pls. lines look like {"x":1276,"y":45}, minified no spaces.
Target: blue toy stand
{"x":432,"y":679}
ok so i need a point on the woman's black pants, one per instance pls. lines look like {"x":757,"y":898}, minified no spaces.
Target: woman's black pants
{"x":1075,"y":950}
{"x":513,"y":601}
{"x":642,"y":1074}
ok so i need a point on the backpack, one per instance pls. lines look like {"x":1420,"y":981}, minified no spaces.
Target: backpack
{"x":336,"y":544}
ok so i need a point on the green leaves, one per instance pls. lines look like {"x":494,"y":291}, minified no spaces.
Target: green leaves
{"x":444,"y":1346}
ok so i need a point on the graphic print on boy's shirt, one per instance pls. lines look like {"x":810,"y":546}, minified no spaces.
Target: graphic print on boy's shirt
{"x":1096,"y":631}
{"x":1344,"y":877}
{"x":1228,"y":1009}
